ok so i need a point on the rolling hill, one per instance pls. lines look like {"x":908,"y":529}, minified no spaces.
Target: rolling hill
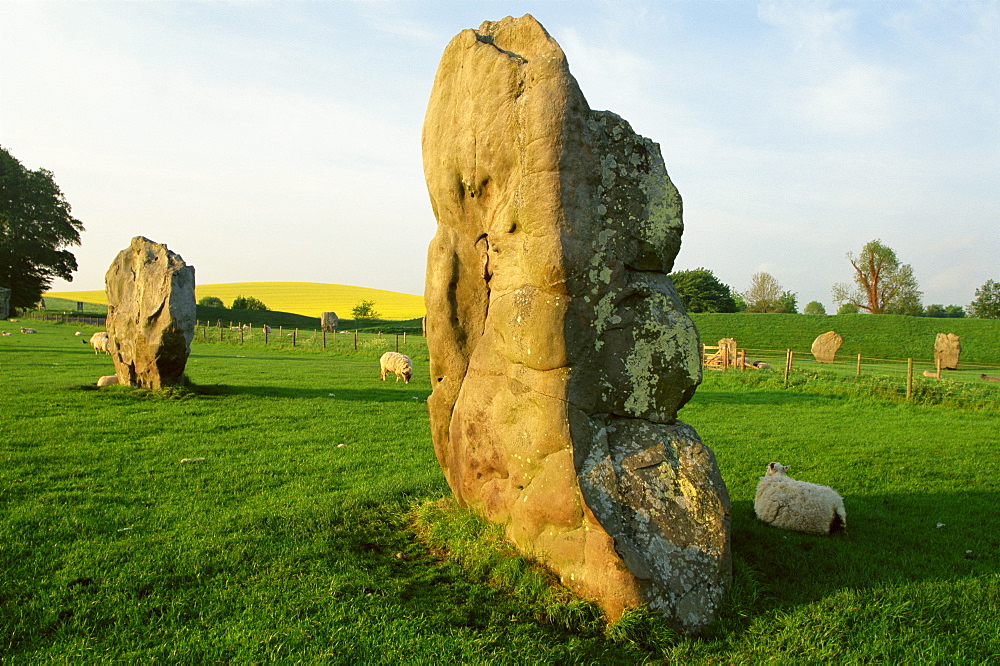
{"x":309,"y":299}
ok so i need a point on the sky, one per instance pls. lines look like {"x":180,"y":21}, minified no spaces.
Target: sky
{"x":280,"y":141}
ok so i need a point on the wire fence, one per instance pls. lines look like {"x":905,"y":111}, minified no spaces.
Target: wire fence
{"x":295,"y":338}
{"x":909,"y":379}
{"x":65,"y":318}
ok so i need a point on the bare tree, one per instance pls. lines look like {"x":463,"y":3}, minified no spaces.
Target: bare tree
{"x":883,"y":285}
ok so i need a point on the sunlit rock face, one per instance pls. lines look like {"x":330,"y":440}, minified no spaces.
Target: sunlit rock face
{"x":559,"y":349}
{"x":947,"y":349}
{"x":151,"y":314}
{"x":825,"y":347}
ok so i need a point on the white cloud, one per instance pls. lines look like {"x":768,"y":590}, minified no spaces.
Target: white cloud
{"x":857,"y":101}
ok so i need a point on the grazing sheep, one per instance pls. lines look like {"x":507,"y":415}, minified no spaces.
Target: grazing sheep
{"x":28,"y":330}
{"x":797,"y":505}
{"x":8,"y":333}
{"x":398,"y":364}
{"x":101,"y":342}
{"x":78,"y":333}
{"x":108,"y":380}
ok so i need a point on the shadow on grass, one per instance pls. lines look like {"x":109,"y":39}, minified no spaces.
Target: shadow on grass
{"x":890,"y":540}
{"x":378,"y":394}
{"x":759,"y":397}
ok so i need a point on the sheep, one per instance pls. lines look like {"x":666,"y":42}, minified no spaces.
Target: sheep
{"x":28,"y":330}
{"x":101,"y":342}
{"x":108,"y":380}
{"x":789,"y":504}
{"x":398,"y":364}
{"x":8,"y":333}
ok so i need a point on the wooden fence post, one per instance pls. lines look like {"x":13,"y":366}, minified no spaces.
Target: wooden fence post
{"x":859,"y":366}
{"x":295,"y":334}
{"x":909,"y":378}
{"x":324,"y":338}
{"x":404,"y":338}
{"x":267,"y":329}
{"x":355,"y":340}
{"x":788,"y":364}
{"x":397,"y":342}
{"x":241,"y":334}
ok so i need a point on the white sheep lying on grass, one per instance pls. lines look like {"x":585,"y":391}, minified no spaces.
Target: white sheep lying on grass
{"x":797,"y":505}
{"x":101,"y":342}
{"x":398,"y":364}
{"x":28,"y":330}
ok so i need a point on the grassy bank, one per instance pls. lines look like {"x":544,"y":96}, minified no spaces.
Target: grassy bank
{"x":289,"y":534}
{"x":873,"y":336}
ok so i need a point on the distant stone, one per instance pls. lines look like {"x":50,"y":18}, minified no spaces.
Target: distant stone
{"x":151,"y":314}
{"x":947,"y":349}
{"x":328,"y":322}
{"x":559,"y":349}
{"x":108,"y":380}
{"x":4,"y":302}
{"x":826,"y":346}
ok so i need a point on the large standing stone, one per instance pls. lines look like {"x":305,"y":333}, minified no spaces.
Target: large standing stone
{"x":151,"y":314}
{"x":559,"y":349}
{"x":328,"y":322}
{"x":4,"y":302}
{"x":826,"y":346}
{"x":947,"y":350}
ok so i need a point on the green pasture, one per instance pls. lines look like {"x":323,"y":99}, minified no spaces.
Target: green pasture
{"x":307,"y":523}
{"x":896,"y":337}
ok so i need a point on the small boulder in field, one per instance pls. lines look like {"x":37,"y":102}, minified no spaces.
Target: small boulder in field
{"x":826,"y":346}
{"x":947,"y":349}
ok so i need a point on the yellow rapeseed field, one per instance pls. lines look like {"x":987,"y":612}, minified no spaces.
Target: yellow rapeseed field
{"x":302,"y":298}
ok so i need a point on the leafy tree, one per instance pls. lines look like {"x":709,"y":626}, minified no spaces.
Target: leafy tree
{"x":883,"y":285}
{"x":364,"y":310}
{"x":987,"y":302}
{"x":954,"y":312}
{"x":248,"y":303}
{"x":765,"y":294}
{"x":814,"y":308}
{"x":788,"y":303}
{"x":35,"y":226}
{"x":848,"y":308}
{"x":701,"y":291}
{"x":211,"y":302}
{"x":950,"y":312}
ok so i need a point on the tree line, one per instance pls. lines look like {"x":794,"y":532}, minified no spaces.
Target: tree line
{"x":881,"y":285}
{"x":36,"y":227}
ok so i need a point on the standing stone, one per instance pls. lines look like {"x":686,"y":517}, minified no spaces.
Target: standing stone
{"x":151,"y":314}
{"x":559,"y":349}
{"x":729,"y":344}
{"x":328,"y":321}
{"x":947,"y":350}
{"x":4,"y":302}
{"x":826,"y":346}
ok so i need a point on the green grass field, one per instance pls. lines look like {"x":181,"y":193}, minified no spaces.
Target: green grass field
{"x":873,"y":336}
{"x":292,"y":532}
